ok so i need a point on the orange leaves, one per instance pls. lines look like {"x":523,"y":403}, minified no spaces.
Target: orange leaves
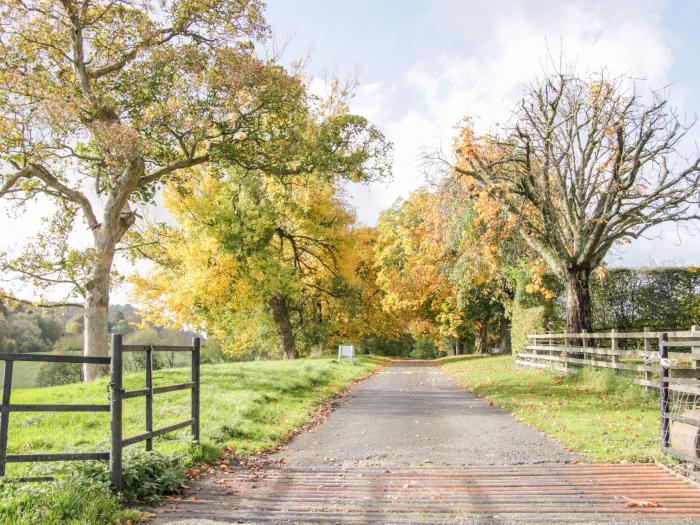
{"x":640,"y":503}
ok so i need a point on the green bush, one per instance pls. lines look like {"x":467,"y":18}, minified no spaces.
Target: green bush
{"x":147,"y":475}
{"x":52,"y":374}
{"x":425,"y":348}
{"x":390,"y":346}
{"x":69,"y":344}
{"x":212,"y":352}
{"x":526,"y":320}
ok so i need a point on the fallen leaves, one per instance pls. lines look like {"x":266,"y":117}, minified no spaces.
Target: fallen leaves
{"x":640,"y":503}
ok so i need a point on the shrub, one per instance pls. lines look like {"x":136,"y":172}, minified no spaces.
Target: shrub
{"x":52,"y":374}
{"x":147,"y":475}
{"x":69,"y":344}
{"x":212,"y":352}
{"x":425,"y":348}
{"x":379,"y":344}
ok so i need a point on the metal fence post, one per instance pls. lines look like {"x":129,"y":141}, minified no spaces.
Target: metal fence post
{"x":663,"y":372}
{"x":695,"y":331}
{"x":149,"y":396}
{"x":195,"y":389}
{"x":115,"y":409}
{"x":5,"y":415}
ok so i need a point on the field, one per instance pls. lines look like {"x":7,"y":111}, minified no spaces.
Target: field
{"x":249,"y":407}
{"x":23,"y":374}
{"x":596,"y":413}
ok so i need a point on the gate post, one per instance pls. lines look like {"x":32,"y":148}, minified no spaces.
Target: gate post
{"x":195,"y":389}
{"x":663,"y":373}
{"x":115,"y":412}
{"x":5,"y":415}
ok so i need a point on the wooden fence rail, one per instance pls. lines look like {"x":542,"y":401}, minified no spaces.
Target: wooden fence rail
{"x":634,"y":354}
{"x":117,"y":395}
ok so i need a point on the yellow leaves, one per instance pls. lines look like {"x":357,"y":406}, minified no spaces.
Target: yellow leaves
{"x":600,"y":272}
{"x":537,"y":271}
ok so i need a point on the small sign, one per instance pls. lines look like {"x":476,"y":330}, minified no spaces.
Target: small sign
{"x":346,"y":351}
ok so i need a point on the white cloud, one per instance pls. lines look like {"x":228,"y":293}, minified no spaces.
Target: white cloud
{"x":513,"y":47}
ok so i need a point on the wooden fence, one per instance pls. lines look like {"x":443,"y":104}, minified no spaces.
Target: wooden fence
{"x":667,"y":361}
{"x":117,"y":395}
{"x":634,"y":354}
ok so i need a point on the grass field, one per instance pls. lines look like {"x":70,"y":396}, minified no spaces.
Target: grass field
{"x":23,"y":374}
{"x":249,"y":406}
{"x":601,"y":415}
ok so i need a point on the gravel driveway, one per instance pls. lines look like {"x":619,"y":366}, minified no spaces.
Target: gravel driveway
{"x":413,"y":413}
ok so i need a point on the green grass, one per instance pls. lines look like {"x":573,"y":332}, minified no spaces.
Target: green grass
{"x":24,"y":374}
{"x":248,"y":407}
{"x":604,"y":417}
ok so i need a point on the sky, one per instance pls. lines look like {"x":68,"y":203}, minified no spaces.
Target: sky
{"x":423,"y":65}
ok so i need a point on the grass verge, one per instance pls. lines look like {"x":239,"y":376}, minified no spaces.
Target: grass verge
{"x":247,"y":407}
{"x":603,"y":416}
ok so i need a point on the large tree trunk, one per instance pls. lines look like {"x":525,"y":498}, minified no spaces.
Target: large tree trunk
{"x":117,"y":219}
{"x":280,"y":314}
{"x":96,"y":337}
{"x":578,"y":300}
{"x":482,"y":337}
{"x":504,"y":343}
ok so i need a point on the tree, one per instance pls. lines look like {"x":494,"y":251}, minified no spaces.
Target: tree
{"x":251,"y":256}
{"x":585,"y":163}
{"x":273,"y":240}
{"x":444,"y":258}
{"x":103,"y":100}
{"x":413,"y":266}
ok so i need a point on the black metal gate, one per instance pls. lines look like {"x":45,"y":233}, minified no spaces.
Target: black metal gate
{"x":117,"y":395}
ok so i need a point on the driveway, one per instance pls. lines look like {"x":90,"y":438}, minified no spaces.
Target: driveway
{"x":410,"y":445}
{"x":416,"y":414}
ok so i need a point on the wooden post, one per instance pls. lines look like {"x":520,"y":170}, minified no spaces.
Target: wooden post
{"x":695,"y":330}
{"x":115,"y":408}
{"x":5,"y":415}
{"x":195,"y":389}
{"x":614,"y":346}
{"x":647,"y":349}
{"x":663,"y":372}
{"x":564,"y":354}
{"x":149,"y":396}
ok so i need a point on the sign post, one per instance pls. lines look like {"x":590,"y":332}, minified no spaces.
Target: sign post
{"x":346,"y":351}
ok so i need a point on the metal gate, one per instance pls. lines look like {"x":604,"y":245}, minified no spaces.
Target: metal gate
{"x":679,"y":371}
{"x":117,"y":395}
